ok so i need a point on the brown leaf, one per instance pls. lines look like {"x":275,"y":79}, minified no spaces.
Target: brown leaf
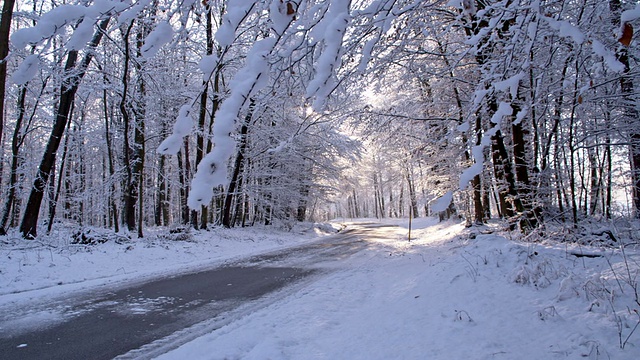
{"x":290,"y":9}
{"x":627,"y":34}
{"x":579,"y":99}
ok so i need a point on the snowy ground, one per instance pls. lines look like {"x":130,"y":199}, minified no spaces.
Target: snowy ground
{"x":444,"y":295}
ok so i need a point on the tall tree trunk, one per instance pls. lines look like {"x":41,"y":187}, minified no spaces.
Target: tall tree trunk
{"x":609,"y":191}
{"x":54,"y":202}
{"x":200,"y":139}
{"x":16,"y":142}
{"x":476,"y":183}
{"x":68,"y":90}
{"x":239,"y":199}
{"x":133,"y":113}
{"x":381,"y":196}
{"x":529,"y":217}
{"x":184,"y":187}
{"x":376,"y":194}
{"x":112,"y":185}
{"x":161,"y":198}
{"x":594,"y":185}
{"x":301,"y":212}
{"x":130,"y":188}
{"x":139,"y":131}
{"x":237,"y":167}
{"x":186,"y":212}
{"x":413,"y":201}
{"x":5,"y":28}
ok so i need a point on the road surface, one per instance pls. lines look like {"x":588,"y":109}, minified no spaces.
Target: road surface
{"x":135,"y":321}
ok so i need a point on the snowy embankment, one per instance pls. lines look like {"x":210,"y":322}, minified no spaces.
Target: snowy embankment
{"x":53,"y":265}
{"x":447,"y":296}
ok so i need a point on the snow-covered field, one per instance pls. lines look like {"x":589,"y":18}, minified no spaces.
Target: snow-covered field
{"x":450,"y":293}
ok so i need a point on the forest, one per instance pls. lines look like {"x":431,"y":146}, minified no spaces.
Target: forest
{"x":126,"y":115}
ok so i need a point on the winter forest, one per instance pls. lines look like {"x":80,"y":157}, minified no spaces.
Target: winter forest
{"x":126,"y":115}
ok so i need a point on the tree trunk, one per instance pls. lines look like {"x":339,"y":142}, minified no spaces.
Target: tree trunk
{"x":529,"y":217}
{"x":476,"y":183}
{"x":68,"y":90}
{"x":609,"y":192}
{"x":112,"y":186}
{"x":594,"y":185}
{"x":228,"y":201}
{"x":16,"y":142}
{"x":54,"y":202}
{"x":186,"y":166}
{"x":130,"y":188}
{"x":184,"y":189}
{"x":412,"y":193}
{"x":161,"y":197}
{"x":139,"y":131}
{"x":5,"y":28}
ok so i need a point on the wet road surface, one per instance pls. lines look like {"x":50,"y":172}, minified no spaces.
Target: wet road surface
{"x":108,"y":324}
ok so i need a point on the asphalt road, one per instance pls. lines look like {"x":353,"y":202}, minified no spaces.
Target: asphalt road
{"x":112,"y":323}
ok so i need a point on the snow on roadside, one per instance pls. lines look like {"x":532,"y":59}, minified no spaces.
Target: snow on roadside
{"x":447,"y":295}
{"x":52,"y":264}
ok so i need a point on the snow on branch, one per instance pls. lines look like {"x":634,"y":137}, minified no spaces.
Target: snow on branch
{"x":630,"y":15}
{"x":442,"y":203}
{"x":504,"y":109}
{"x":132,"y":12}
{"x":334,"y":24}
{"x":26,"y":71}
{"x":82,"y":35}
{"x":181,"y":128}
{"x":55,"y":20}
{"x":476,"y":169}
{"x":565,"y":29}
{"x":511,"y":84}
{"x":237,"y":11}
{"x":608,"y":56}
{"x":477,"y":152}
{"x":51,"y":23}
{"x":281,"y":14}
{"x":161,"y":35}
{"x":208,"y":65}
{"x":212,"y":170}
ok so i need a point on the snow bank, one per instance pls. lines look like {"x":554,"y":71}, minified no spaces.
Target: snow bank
{"x":56,"y":265}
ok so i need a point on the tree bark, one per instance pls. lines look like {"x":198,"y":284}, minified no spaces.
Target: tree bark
{"x":237,"y":167}
{"x":112,"y":185}
{"x":5,"y":28}
{"x":16,"y":142}
{"x":184,"y":187}
{"x":139,"y":131}
{"x":54,"y":202}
